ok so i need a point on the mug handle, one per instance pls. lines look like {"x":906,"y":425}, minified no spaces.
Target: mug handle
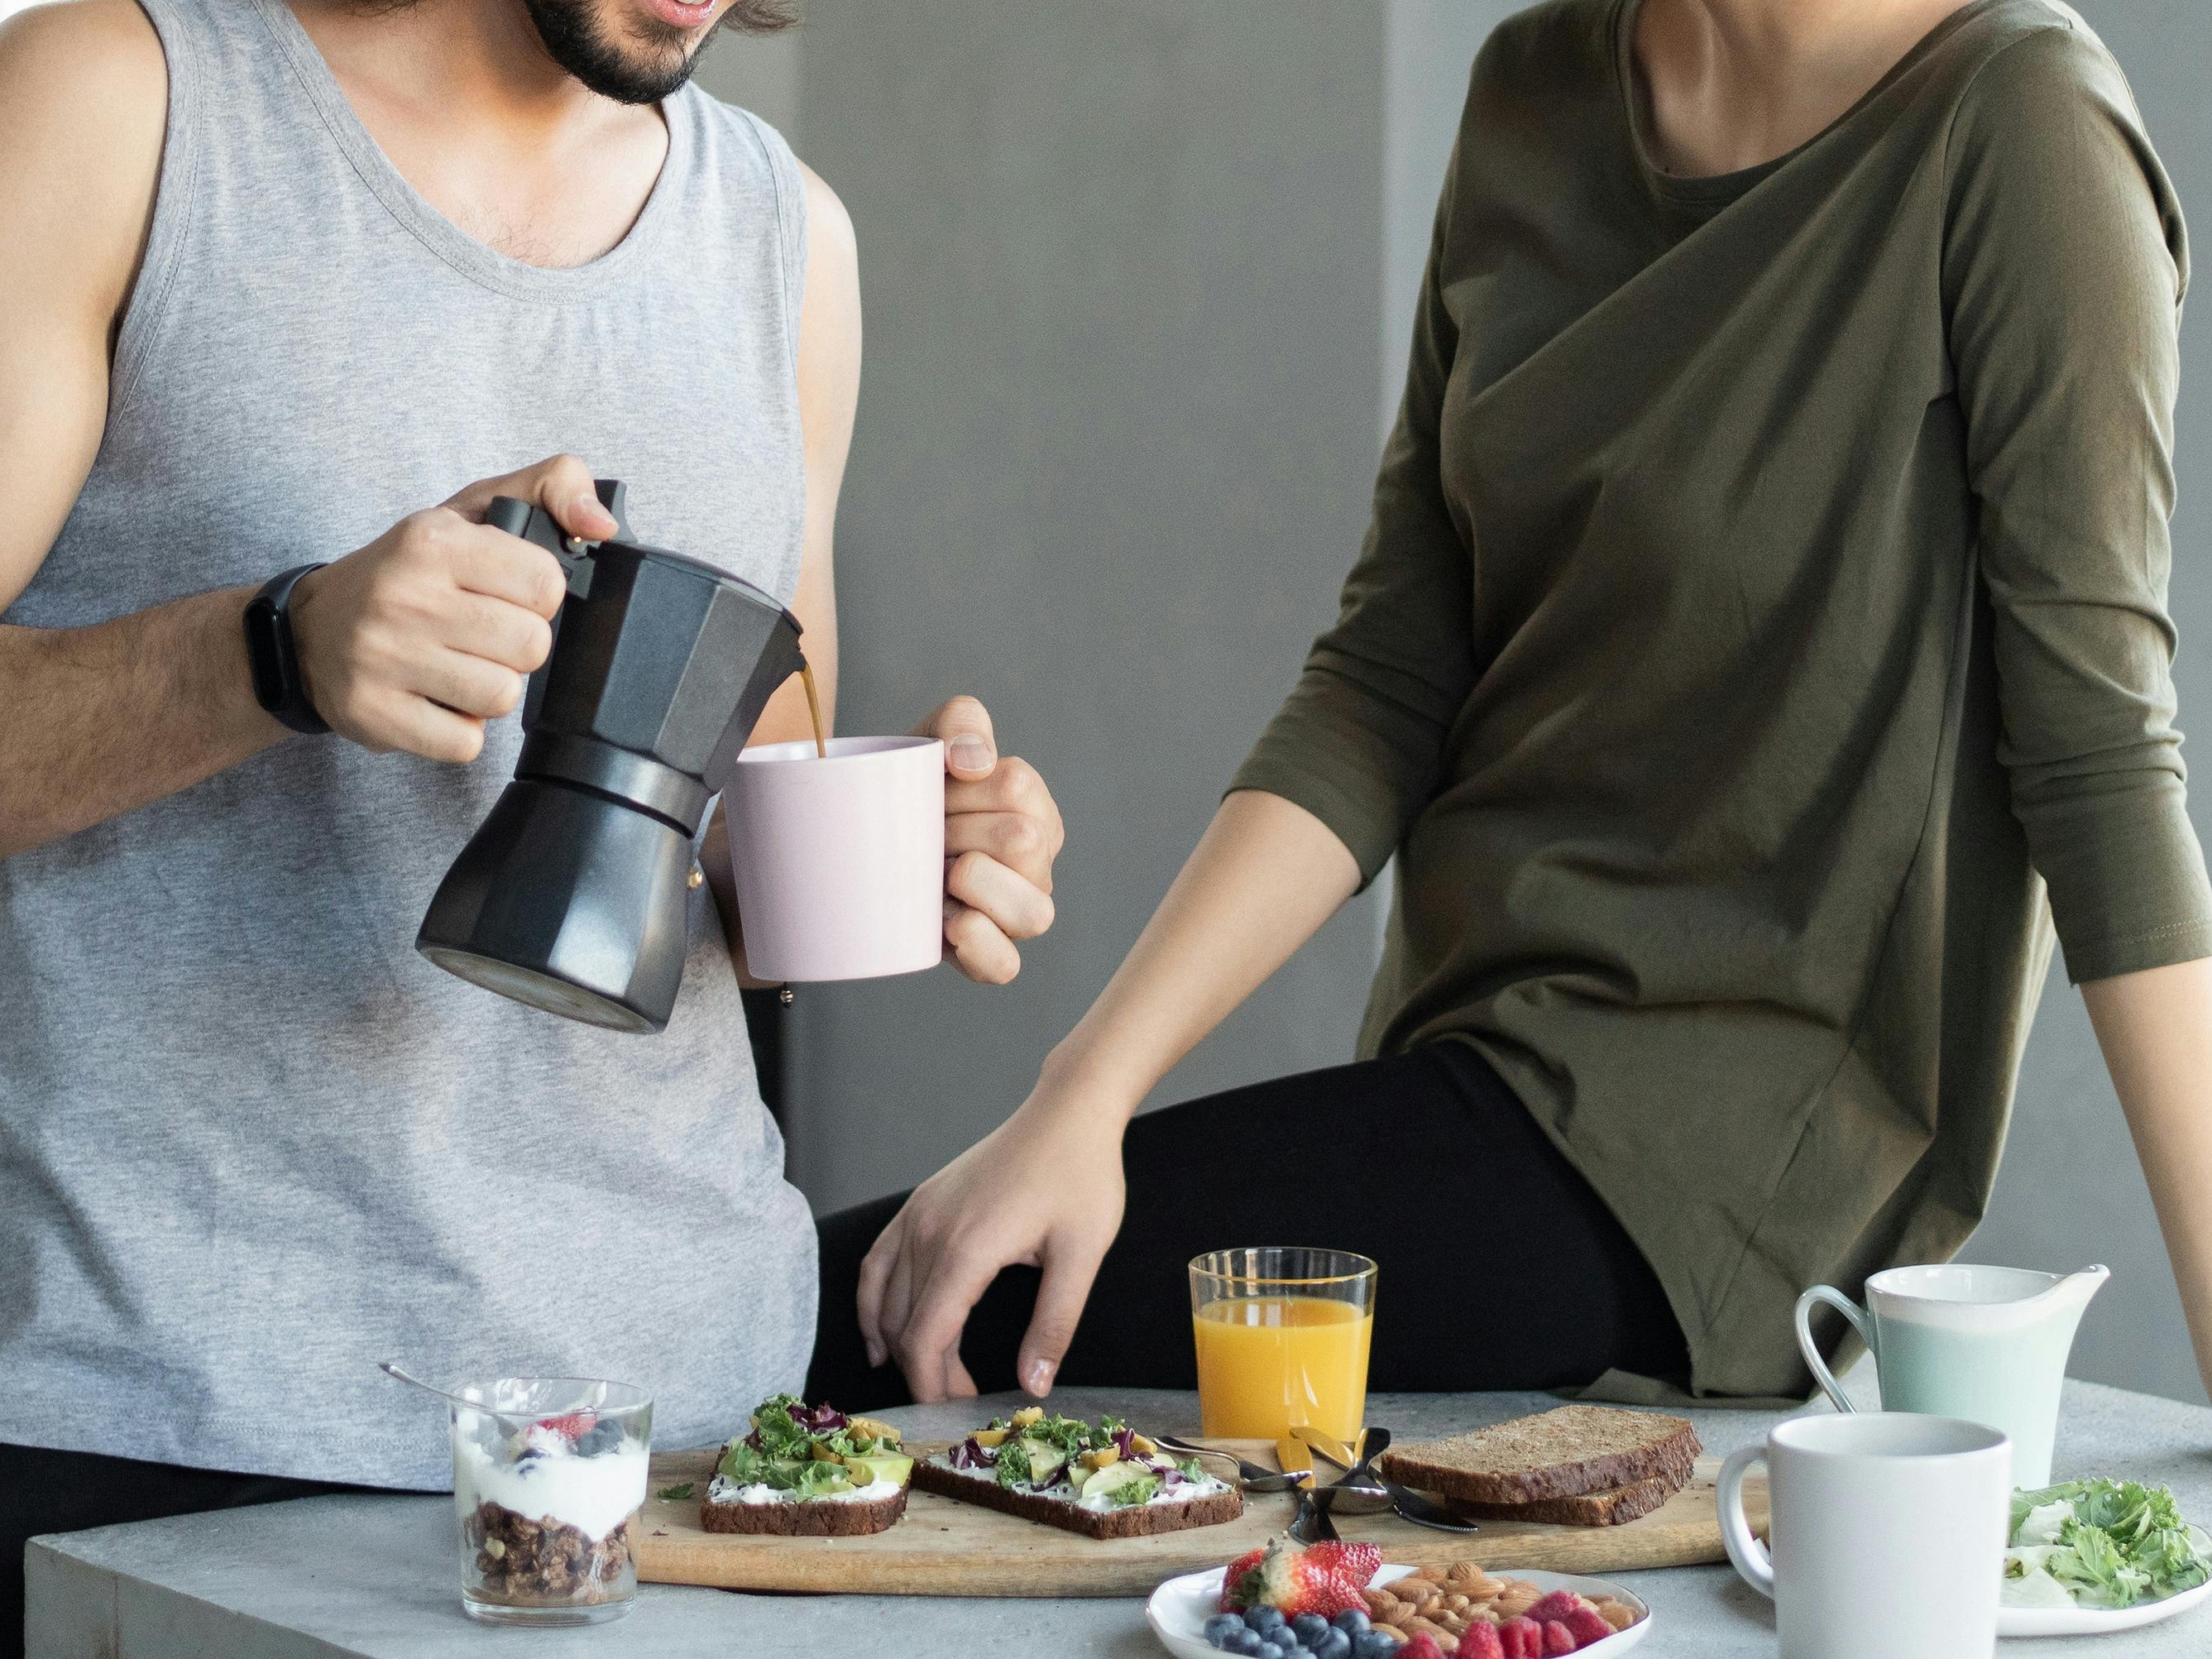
{"x":1850,"y":1310}
{"x":1753,"y":1564}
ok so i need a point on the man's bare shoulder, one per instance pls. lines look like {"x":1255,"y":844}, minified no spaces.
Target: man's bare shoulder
{"x":83,"y":102}
{"x":829,"y":238}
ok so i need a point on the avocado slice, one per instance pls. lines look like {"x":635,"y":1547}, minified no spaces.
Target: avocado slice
{"x":1114,"y":1476}
{"x":1046,"y":1459}
{"x":879,"y":1466}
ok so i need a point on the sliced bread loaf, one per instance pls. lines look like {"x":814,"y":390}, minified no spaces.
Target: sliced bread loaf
{"x":1571,"y":1452}
{"x":1608,"y":1508}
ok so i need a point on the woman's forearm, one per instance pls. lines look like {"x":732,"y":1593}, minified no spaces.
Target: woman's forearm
{"x":2156,"y":1028}
{"x":1262,"y":879}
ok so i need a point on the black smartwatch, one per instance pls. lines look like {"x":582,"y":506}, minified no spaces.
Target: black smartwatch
{"x":278,"y":685}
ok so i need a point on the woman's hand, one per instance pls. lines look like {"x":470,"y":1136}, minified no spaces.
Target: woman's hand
{"x":1044,"y":1190}
{"x":1002,"y":832}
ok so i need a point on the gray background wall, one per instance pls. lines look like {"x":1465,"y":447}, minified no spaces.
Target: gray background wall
{"x":1138,"y":275}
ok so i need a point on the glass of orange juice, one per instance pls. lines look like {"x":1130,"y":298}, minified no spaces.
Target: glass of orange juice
{"x":1282,"y":1338}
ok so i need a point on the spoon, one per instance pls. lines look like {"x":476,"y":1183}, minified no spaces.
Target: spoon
{"x":1254,"y":1478}
{"x":393,"y":1368}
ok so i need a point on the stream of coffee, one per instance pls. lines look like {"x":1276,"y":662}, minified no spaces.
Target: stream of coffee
{"x":813,"y":709}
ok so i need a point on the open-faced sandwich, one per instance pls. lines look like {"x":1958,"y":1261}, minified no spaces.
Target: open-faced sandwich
{"x":1098,"y":1478}
{"x":808,"y":1471}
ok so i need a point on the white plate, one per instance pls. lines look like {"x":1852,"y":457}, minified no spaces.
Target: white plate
{"x":2090,"y":1621}
{"x":1179,"y":1608}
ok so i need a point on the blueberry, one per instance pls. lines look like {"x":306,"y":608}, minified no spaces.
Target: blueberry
{"x":1352,"y":1622}
{"x":1278,"y":1650}
{"x":1308,"y":1627}
{"x":1220,"y":1625}
{"x":1331,"y":1644}
{"x":1374,"y":1644}
{"x":1264,"y":1618}
{"x":1242,"y":1641}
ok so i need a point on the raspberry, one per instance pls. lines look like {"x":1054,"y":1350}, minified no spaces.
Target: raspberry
{"x":1423,"y":1646}
{"x":1557,"y":1639}
{"x":1481,"y":1642}
{"x":1558,"y":1605}
{"x":1522,"y":1639}
{"x":1587,"y":1624}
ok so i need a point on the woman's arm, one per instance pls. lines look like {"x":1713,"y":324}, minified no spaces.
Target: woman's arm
{"x":1263,"y":878}
{"x":2156,"y":1028}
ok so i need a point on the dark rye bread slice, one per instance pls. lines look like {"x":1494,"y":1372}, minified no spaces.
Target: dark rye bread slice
{"x":1570,"y":1452}
{"x":811,"y":1519}
{"x":1139,"y":1521}
{"x":1608,"y":1508}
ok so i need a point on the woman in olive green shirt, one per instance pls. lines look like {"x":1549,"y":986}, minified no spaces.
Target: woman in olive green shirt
{"x":1765,"y":605}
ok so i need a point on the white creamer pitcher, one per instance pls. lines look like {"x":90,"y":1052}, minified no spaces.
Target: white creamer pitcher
{"x":1985,"y":1344}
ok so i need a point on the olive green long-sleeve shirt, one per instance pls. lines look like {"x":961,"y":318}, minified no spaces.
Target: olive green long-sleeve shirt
{"x":1765,"y":600}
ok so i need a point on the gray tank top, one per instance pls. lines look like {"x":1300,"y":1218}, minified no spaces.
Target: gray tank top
{"x":250,"y":1142}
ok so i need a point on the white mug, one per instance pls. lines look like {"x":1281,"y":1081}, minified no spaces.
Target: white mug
{"x":1889,"y":1535}
{"x":840,"y":862}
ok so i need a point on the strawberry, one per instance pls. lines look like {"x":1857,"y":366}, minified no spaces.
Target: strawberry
{"x":1295,"y":1580}
{"x":1361,"y":1561}
{"x":1557,"y":1639}
{"x":1233,"y":1575}
{"x":571,"y":1428}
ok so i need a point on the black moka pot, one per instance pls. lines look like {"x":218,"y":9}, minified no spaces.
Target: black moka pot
{"x":573,"y":896}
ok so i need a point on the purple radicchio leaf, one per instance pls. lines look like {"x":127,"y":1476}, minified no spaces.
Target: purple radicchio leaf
{"x":1125,"y":1442}
{"x":817,"y":1419}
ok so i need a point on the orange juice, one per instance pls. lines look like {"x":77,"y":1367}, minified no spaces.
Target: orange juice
{"x":1268,"y":1364}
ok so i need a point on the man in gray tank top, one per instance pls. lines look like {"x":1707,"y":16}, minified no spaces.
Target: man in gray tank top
{"x":281,"y":281}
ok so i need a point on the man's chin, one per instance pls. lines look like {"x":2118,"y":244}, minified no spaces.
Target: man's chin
{"x":636,"y":51}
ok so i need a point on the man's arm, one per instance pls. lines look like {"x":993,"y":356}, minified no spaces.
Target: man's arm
{"x":2156,"y":1028}
{"x":100,"y":719}
{"x":411,"y":643}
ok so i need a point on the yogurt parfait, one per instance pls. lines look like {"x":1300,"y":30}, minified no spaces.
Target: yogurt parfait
{"x":548,"y":1475}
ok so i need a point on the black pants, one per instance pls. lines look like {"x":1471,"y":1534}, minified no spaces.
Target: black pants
{"x":1500,"y":1267}
{"x":43,"y":1491}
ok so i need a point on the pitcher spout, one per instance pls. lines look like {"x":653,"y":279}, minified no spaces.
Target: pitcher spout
{"x":2071,"y":1294}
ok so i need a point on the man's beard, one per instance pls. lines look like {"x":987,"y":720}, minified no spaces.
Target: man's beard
{"x":628,"y":72}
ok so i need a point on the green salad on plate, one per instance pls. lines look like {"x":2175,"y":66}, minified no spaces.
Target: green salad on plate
{"x":2101,"y":1544}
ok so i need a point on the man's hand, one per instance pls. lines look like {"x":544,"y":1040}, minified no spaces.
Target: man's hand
{"x":1002,"y":831}
{"x":416,"y":640}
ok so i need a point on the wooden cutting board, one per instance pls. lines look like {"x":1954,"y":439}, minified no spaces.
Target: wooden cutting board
{"x":946,"y":1547}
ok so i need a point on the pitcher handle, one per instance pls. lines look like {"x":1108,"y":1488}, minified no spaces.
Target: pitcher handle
{"x":1850,"y":1310}
{"x":1753,"y":1564}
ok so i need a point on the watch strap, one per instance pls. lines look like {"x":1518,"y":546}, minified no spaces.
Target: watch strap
{"x":274,"y":657}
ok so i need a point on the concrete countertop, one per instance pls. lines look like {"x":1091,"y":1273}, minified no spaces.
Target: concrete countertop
{"x":379,"y":1576}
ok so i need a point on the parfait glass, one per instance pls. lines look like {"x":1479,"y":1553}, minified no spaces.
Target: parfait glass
{"x":548,"y":1475}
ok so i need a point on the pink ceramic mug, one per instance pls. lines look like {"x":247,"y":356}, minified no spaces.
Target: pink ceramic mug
{"x":840,"y":861}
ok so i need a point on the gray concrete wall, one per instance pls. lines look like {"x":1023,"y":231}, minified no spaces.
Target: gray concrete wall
{"x":1139,"y":278}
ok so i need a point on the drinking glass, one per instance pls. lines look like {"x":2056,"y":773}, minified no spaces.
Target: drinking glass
{"x":548,"y":1475}
{"x":1282,"y":1334}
